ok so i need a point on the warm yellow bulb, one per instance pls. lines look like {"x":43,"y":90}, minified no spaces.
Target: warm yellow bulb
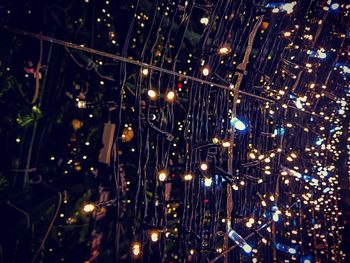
{"x":152,"y":94}
{"x":188,"y":177}
{"x":204,"y":166}
{"x":170,"y":96}
{"x":224,"y":50}
{"x":162,"y":175}
{"x":205,"y":71}
{"x":136,"y":248}
{"x":89,"y":208}
{"x":154,"y":235}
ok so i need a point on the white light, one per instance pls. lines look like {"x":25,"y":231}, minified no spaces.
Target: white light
{"x":152,"y":93}
{"x":335,"y":6}
{"x":170,"y":96}
{"x":208,"y":182}
{"x":292,"y":250}
{"x":204,"y":166}
{"x":238,"y":124}
{"x":204,"y":21}
{"x":298,"y":103}
{"x":307,"y":261}
{"x":288,"y":7}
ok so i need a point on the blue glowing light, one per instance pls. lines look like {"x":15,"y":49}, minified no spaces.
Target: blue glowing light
{"x":279,"y":131}
{"x":286,"y":249}
{"x":238,"y":124}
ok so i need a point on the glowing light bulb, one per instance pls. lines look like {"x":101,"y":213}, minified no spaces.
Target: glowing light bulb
{"x":287,"y":34}
{"x":205,"y":71}
{"x":154,"y":235}
{"x":275,"y":217}
{"x":238,"y":124}
{"x":289,"y":7}
{"x":204,"y":166}
{"x":188,"y":177}
{"x":226,"y":144}
{"x":334,"y":6}
{"x":145,"y":71}
{"x":286,"y":249}
{"x":152,"y":94}
{"x":170,"y":96}
{"x":89,"y":208}
{"x":81,"y":104}
{"x":234,"y":236}
{"x":162,"y":175}
{"x":225,"y":50}
{"x":204,"y":21}
{"x":208,"y":181}
{"x":136,"y":249}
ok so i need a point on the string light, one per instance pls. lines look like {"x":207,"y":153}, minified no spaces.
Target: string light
{"x":136,"y":249}
{"x":162,"y":175}
{"x":152,"y":94}
{"x":205,"y":71}
{"x":154,"y":235}
{"x":170,"y":96}
{"x":238,"y":124}
{"x":188,"y":177}
{"x":89,"y":207}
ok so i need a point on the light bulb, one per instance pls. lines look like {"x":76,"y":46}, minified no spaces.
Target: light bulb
{"x":89,"y":207}
{"x":204,"y":166}
{"x":152,"y":94}
{"x":170,"y":96}
{"x":204,"y":21}
{"x":205,"y":71}
{"x":188,"y":177}
{"x":238,"y":124}
{"x":208,"y":181}
{"x":145,"y":71}
{"x":334,"y":6}
{"x":162,"y":175}
{"x":224,"y":50}
{"x":154,"y":235}
{"x":136,"y":248}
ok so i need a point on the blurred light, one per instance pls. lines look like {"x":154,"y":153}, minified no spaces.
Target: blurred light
{"x":224,"y":50}
{"x":162,"y":175}
{"x":170,"y":96}
{"x":188,"y":177}
{"x":204,"y":166}
{"x":204,"y":21}
{"x":145,"y":71}
{"x":234,"y":236}
{"x":152,"y":94}
{"x":208,"y":181}
{"x":154,"y":235}
{"x":334,"y":6}
{"x":238,"y":124}
{"x":286,"y":249}
{"x":89,"y":207}
{"x":205,"y":71}
{"x":136,"y":248}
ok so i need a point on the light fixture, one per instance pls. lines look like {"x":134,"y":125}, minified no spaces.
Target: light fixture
{"x":238,"y":124}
